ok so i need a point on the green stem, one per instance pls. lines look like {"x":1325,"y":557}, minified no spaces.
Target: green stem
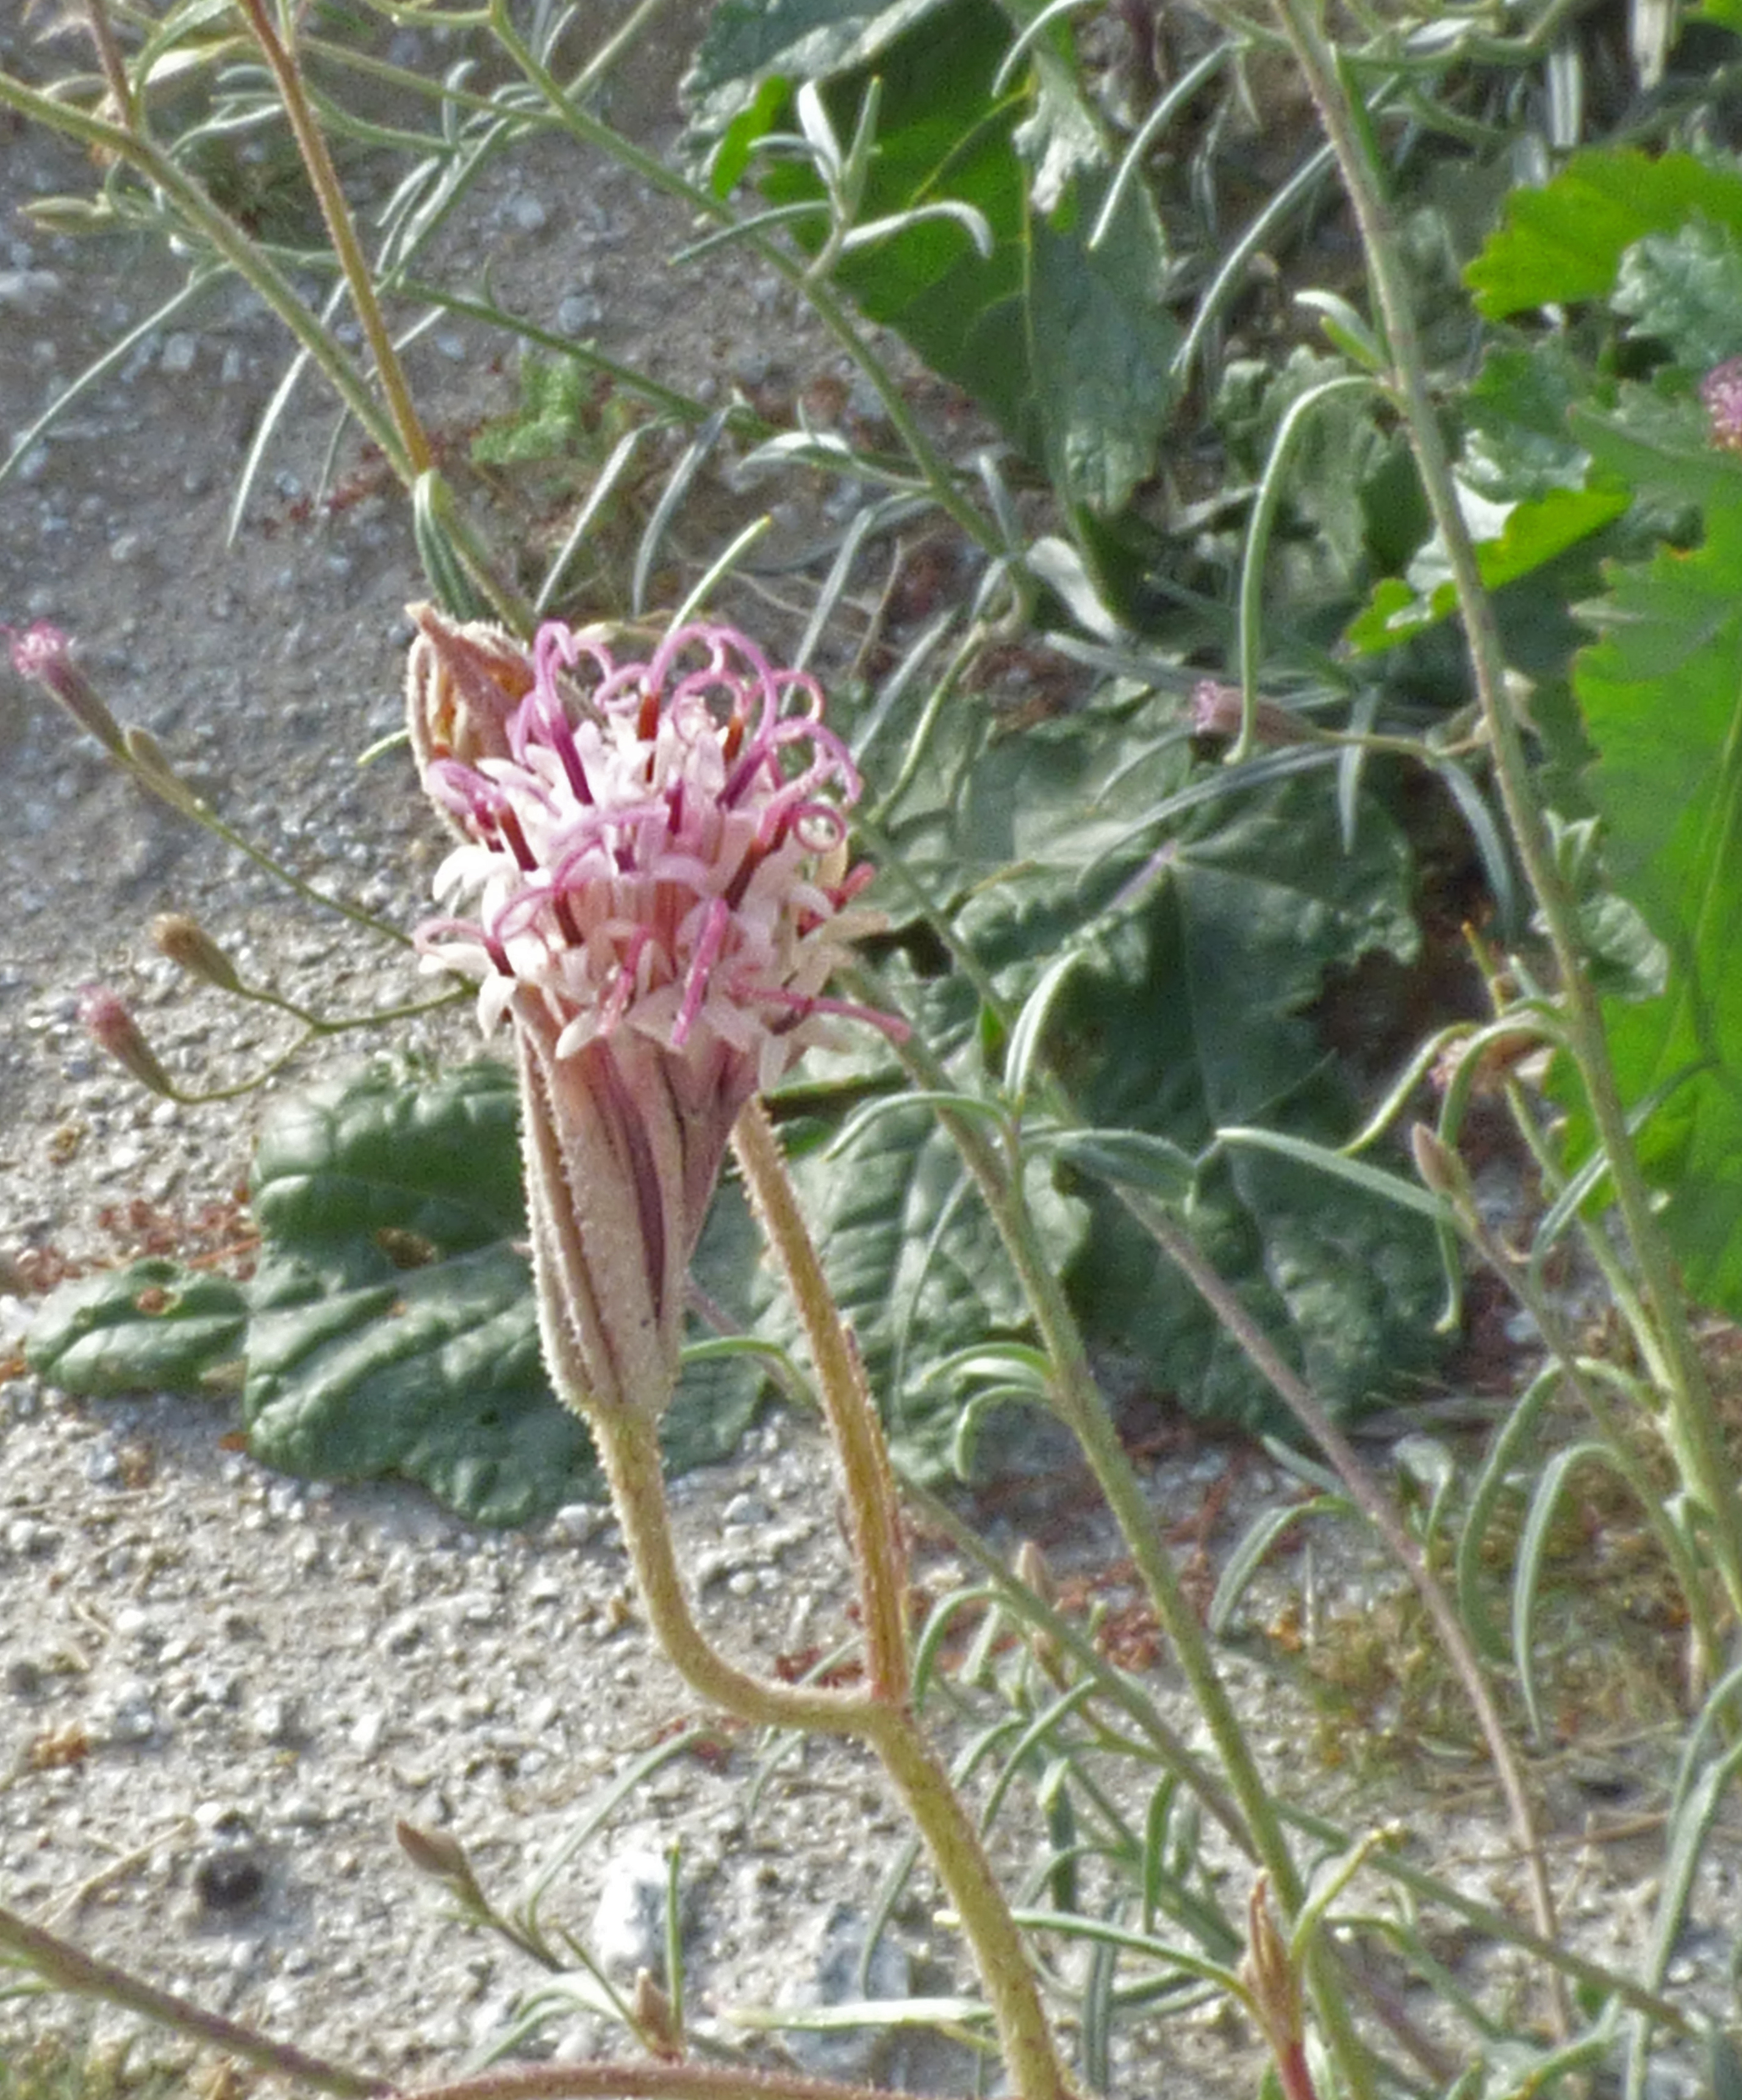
{"x":1691,"y":1423}
{"x":318,"y":160}
{"x":1080,"y":1405}
{"x":872,"y":1512}
{"x":1182,"y":1250}
{"x":628,"y":1449}
{"x":153,"y":772}
{"x":68,"y":1967}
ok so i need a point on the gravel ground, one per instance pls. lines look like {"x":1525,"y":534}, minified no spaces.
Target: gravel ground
{"x":219,"y":1689}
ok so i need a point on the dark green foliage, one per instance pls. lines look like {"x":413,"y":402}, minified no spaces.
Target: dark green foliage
{"x":153,"y":1323}
{"x":1067,"y":342}
{"x":390,"y":1326}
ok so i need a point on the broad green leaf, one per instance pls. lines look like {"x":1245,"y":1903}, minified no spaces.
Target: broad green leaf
{"x":1210,"y":909}
{"x":1516,"y":439}
{"x":1068,"y":347}
{"x":154,"y":1326}
{"x":750,"y":42}
{"x":393,"y":1327}
{"x":1195,"y":1014}
{"x":1564,"y":242}
{"x":1662,"y":698}
{"x":390,"y":1328}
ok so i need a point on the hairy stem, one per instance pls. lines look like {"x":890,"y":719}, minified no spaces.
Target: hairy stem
{"x":1083,"y":1408}
{"x":646,"y":2081}
{"x":68,"y":1968}
{"x":628,"y":1449}
{"x":872,"y":1513}
{"x":323,"y":177}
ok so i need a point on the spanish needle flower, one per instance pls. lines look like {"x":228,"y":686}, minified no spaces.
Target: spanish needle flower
{"x":655,"y":888}
{"x":43,"y":652}
{"x":106,"y":1018}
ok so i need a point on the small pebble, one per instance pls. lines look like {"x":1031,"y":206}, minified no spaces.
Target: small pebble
{"x":229,"y":1879}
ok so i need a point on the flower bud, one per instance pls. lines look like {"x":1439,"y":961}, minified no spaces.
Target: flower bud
{"x":464,"y":682}
{"x":1033,"y":1572}
{"x":104,"y":1015}
{"x":190,"y":947}
{"x":442,"y":1857}
{"x":656,"y":2018}
{"x":1218,"y":710}
{"x":44,"y":653}
{"x":1442,"y":1171}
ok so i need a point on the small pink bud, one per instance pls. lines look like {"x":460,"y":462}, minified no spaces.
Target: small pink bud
{"x":104,"y":1017}
{"x":43,"y":653}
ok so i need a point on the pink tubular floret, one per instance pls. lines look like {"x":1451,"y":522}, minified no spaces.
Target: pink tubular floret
{"x":664,"y":850}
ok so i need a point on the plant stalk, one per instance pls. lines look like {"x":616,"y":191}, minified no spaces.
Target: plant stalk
{"x":244,"y":256}
{"x":628,"y":1449}
{"x":872,"y":1512}
{"x":68,"y":1967}
{"x":317,"y":159}
{"x":1081,"y":1407}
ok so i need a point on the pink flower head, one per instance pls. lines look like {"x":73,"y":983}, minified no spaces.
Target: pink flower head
{"x":44,"y":654}
{"x":654,"y":886}
{"x":660,"y":848}
{"x":1721,"y":391}
{"x":105,"y":1016}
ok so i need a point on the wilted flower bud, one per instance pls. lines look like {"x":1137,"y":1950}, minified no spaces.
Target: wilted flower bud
{"x":442,"y":1857}
{"x":464,"y":683}
{"x":656,"y":2018}
{"x":1033,"y":1572}
{"x":190,"y":947}
{"x":659,"y":892}
{"x":104,"y":1015}
{"x":1218,"y":710}
{"x":1442,"y":1171}
{"x":1721,"y":391}
{"x":44,"y":653}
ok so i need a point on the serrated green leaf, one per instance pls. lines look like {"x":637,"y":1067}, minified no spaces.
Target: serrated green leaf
{"x":1564,"y":241}
{"x":1659,"y":444}
{"x":1662,"y":698}
{"x":154,"y":1326}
